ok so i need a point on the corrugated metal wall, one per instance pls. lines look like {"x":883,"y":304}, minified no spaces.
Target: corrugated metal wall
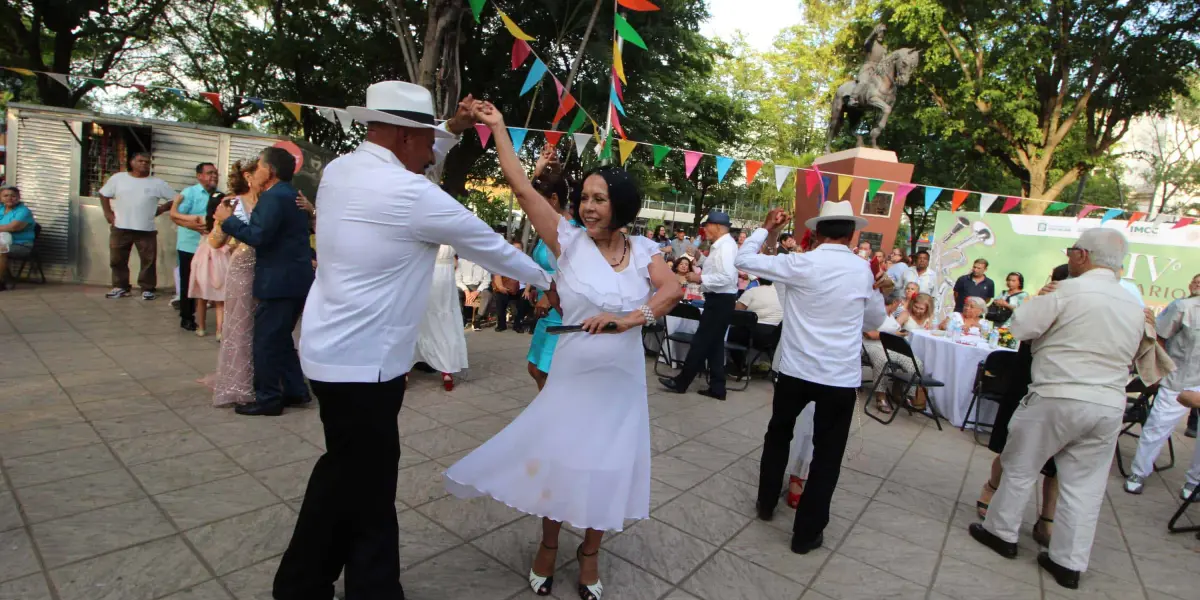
{"x":178,"y":151}
{"x":44,"y":176}
{"x":247,"y":147}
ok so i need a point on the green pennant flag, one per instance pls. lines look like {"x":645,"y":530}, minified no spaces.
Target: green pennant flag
{"x":627,"y":31}
{"x":578,"y":122}
{"x":872,"y":188}
{"x":606,"y":151}
{"x":96,"y":82}
{"x":660,"y":152}
{"x":1057,"y":206}
{"x":477,"y":8}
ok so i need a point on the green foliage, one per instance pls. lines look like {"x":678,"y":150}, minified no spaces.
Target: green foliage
{"x":491,"y":210}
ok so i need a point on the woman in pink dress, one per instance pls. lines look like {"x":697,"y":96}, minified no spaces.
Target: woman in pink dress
{"x":234,"y":381}
{"x":209,"y":267}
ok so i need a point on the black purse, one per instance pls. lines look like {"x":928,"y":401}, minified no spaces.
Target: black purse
{"x":999,"y":315}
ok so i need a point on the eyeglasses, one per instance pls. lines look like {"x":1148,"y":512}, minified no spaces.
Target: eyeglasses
{"x":1076,"y":248}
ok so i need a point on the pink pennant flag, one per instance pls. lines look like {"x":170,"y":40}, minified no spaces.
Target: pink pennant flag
{"x":902,"y":190}
{"x":484,"y":132}
{"x":520,"y":52}
{"x":557,"y":85}
{"x":691,"y":158}
{"x":1010,"y":203}
{"x":1086,"y":209}
{"x":617,"y":86}
{"x":811,"y":179}
{"x":1183,"y":222}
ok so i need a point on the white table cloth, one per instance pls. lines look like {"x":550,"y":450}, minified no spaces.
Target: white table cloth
{"x":955,"y":364}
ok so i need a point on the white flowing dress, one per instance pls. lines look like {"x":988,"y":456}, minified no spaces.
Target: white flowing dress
{"x":440,"y":342}
{"x":580,"y":452}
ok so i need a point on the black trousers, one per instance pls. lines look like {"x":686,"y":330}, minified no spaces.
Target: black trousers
{"x":520,"y":306}
{"x":348,"y":519}
{"x":831,"y":427}
{"x":708,"y":343}
{"x":187,"y":306}
{"x":277,"y":372}
{"x":1191,"y":422}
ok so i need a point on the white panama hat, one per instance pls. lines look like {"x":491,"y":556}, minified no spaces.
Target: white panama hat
{"x":398,"y":103}
{"x":836,"y":211}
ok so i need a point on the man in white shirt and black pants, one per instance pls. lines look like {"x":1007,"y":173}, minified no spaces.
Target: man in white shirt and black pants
{"x":719,"y":282}
{"x":379,"y":228}
{"x":1085,"y":332}
{"x":830,"y":302}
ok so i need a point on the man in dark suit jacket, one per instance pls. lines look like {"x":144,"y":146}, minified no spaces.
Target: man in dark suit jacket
{"x":278,"y":230}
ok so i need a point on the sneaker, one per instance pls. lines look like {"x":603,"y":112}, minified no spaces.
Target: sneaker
{"x":148,"y":296}
{"x":1135,"y":484}
{"x":117,"y":293}
{"x":1186,"y":491}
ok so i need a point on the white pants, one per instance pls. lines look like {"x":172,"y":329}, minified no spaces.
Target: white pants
{"x":1163,"y":419}
{"x":1081,"y":437}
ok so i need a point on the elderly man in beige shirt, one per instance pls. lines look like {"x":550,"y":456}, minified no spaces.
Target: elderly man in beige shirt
{"x":1085,"y":331}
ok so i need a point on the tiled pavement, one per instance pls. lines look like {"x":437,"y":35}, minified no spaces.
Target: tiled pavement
{"x":120,"y":482}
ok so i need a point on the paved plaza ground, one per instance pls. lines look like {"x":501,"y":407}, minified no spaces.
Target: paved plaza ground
{"x":121,"y":482}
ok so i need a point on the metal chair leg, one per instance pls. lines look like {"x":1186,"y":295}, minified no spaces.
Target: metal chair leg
{"x":1192,"y":499}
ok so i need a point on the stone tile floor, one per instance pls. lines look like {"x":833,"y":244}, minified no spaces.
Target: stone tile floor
{"x":121,"y":482}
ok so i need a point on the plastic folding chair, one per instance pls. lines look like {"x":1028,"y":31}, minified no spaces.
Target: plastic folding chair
{"x":1140,"y":400}
{"x":685,"y":311}
{"x":992,"y":382}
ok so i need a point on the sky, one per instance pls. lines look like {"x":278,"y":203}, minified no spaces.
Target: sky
{"x":759,"y":20}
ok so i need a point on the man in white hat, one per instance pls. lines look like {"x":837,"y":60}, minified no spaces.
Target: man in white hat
{"x":831,"y":300}
{"x":380,"y":223}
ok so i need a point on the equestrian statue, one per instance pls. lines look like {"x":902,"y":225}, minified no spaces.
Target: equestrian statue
{"x":879,"y":78}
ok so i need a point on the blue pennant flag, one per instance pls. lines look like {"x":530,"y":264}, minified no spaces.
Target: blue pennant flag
{"x":1110,"y":214}
{"x":826,"y":182}
{"x":723,"y":164}
{"x":257,"y":102}
{"x":535,"y":75}
{"x":518,"y":136}
{"x":931,"y":195}
{"x":616,"y":101}
{"x":177,"y":92}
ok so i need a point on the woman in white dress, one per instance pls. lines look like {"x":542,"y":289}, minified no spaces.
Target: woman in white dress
{"x":918,"y":315}
{"x":580,"y":452}
{"x":441,"y":343}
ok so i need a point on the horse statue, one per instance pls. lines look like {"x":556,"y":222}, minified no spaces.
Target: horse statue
{"x":876,"y":87}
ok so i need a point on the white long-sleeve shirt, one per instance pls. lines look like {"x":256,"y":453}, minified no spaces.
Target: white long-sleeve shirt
{"x":1084,"y":334}
{"x":470,"y":274}
{"x":378,"y":233}
{"x":720,"y":275}
{"x":829,"y":302}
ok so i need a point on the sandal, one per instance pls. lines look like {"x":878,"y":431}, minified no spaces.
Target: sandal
{"x":1040,"y":535}
{"x":588,"y":592}
{"x":981,"y":506}
{"x":448,"y":383}
{"x":883,"y":406}
{"x":542,"y":585}
{"x":793,"y":499}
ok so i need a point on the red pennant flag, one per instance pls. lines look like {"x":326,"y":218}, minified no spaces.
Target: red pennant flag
{"x":1086,"y":209}
{"x":564,"y":107}
{"x":552,"y":137}
{"x":213,"y":99}
{"x":616,"y":122}
{"x":638,"y":5}
{"x":957,"y":199}
{"x":520,"y":52}
{"x":811,"y":179}
{"x":752,"y":167}
{"x":1010,"y":203}
{"x":617,"y":85}
{"x":1134,"y":217}
{"x":1183,"y":222}
{"x":484,"y":132}
{"x":139,"y":87}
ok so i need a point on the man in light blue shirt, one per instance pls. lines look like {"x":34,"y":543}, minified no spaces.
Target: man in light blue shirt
{"x":190,"y":212}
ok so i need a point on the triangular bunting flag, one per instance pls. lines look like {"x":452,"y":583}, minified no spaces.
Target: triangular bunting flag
{"x":985,"y":202}
{"x":344,"y":119}
{"x":552,"y":137}
{"x":638,"y":5}
{"x":616,"y":102}
{"x":513,"y":29}
{"x":902,"y":191}
{"x":1183,"y":222}
{"x":215,"y":100}
{"x":627,"y":31}
{"x":558,"y":86}
{"x":617,"y":86}
{"x":257,"y":102}
{"x":626,"y":147}
{"x":564,"y":108}
{"x":957,"y":199}
{"x":25,"y":72}
{"x":1137,"y":216}
{"x":578,"y":122}
{"x":327,"y":114}
{"x":1111,"y":214}
{"x":581,"y":141}
{"x":62,"y":80}
{"x":606,"y":148}
{"x":691,"y":158}
{"x":826,"y":183}
{"x":660,"y":152}
{"x":1010,"y":203}
{"x":723,"y":164}
{"x":179,"y":92}
{"x":931,"y":195}
{"x":618,"y":63}
{"x":484,"y":132}
{"x":518,"y":137}
{"x":477,"y":8}
{"x":535,"y":75}
{"x":752,"y":167}
{"x":294,"y":109}
{"x":1054,"y":207}
{"x":616,"y":123}
{"x":873,"y":188}
{"x":101,"y":83}
{"x":520,"y":52}
{"x":811,"y":179}
{"x":843,"y":185}
{"x":139,"y":87}
{"x":781,"y":175}
{"x":1087,"y":208}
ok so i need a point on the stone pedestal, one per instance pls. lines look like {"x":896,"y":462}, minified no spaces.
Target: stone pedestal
{"x":883,"y":214}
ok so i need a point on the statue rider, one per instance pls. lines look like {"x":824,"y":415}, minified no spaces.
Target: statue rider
{"x":868,"y":73}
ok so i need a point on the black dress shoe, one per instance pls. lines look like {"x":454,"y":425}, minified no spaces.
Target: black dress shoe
{"x":766,"y":513}
{"x":711,"y":394}
{"x":189,"y":325}
{"x":1064,"y":576}
{"x":256,"y":409}
{"x":671,"y":386}
{"x":804,"y":547}
{"x":296,"y":400}
{"x":989,"y":539}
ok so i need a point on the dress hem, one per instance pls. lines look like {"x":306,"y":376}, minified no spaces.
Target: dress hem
{"x":482,"y":492}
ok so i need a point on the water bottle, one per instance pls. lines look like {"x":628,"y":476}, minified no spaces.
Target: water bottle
{"x":994,"y":338}
{"x":955,"y":330}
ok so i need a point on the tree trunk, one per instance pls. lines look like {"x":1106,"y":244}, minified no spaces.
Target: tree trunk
{"x":1037,"y":189}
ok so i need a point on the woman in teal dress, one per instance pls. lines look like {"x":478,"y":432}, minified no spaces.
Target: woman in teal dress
{"x":550,"y":184}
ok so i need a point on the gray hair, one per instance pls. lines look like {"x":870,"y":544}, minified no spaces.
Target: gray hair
{"x":895,"y":297}
{"x":977,"y":302}
{"x":1106,"y":247}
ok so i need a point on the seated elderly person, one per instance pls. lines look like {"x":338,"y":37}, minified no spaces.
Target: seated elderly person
{"x":875,"y":353}
{"x":763,"y":301}
{"x":974,"y":309}
{"x":16,"y":230}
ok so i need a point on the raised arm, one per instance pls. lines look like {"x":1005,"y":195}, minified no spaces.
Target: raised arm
{"x":543,"y":216}
{"x":778,"y":268}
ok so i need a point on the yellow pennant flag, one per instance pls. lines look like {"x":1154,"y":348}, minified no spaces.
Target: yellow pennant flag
{"x":26,"y":72}
{"x":626,"y":148}
{"x":595,"y":129}
{"x":294,"y":109}
{"x":844,"y":182}
{"x":513,"y":29}
{"x":618,"y":64}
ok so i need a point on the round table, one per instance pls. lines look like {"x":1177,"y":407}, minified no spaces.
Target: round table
{"x":954,"y":364}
